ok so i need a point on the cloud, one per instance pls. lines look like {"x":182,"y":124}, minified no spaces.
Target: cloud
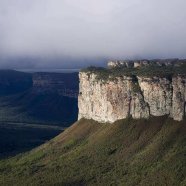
{"x":84,"y":29}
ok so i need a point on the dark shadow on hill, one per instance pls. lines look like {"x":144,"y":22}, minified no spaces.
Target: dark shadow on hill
{"x":39,"y":108}
{"x":45,"y":98}
{"x":15,"y":139}
{"x":42,"y":104}
{"x":13,"y":82}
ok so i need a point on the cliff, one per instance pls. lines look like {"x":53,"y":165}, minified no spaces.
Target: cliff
{"x":65,"y":84}
{"x":137,"y":94}
{"x":13,"y":82}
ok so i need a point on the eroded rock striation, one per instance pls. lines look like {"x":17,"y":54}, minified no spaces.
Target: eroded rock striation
{"x":131,"y":96}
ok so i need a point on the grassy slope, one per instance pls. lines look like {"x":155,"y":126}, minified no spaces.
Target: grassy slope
{"x":129,"y":152}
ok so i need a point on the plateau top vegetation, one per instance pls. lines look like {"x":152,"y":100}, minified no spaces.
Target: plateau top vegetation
{"x":151,"y":69}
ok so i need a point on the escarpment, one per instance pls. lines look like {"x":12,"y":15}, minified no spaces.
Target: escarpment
{"x":64,"y":84}
{"x":179,"y":97}
{"x":131,"y":95}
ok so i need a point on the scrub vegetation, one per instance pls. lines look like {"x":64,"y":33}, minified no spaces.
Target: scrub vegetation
{"x":145,"y":71}
{"x":128,"y":152}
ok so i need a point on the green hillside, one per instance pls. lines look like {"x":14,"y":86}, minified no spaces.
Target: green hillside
{"x":129,"y":152}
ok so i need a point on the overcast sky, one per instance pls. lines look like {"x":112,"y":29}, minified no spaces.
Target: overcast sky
{"x":74,"y":30}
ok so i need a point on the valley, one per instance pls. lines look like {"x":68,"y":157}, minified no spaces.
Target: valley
{"x":92,"y":93}
{"x":16,"y":138}
{"x":32,"y":113}
{"x":130,"y":129}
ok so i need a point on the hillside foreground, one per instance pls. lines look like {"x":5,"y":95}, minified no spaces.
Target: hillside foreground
{"x":128,"y":152}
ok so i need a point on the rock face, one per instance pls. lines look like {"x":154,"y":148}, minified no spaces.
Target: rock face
{"x":136,"y":97}
{"x":14,"y":82}
{"x":179,"y":97}
{"x":157,"y":94}
{"x":65,"y":84}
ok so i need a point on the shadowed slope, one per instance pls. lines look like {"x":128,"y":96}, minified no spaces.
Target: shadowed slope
{"x":43,"y":98}
{"x":28,"y":107}
{"x":129,"y":152}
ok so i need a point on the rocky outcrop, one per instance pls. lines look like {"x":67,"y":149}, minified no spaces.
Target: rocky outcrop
{"x":141,"y":63}
{"x":136,"y":97}
{"x":157,"y":94}
{"x":179,"y":97}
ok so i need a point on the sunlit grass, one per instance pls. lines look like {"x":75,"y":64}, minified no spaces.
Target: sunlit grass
{"x":128,"y":152}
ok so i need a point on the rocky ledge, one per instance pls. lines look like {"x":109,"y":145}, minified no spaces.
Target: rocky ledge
{"x":107,"y":95}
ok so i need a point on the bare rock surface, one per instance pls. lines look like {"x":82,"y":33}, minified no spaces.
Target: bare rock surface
{"x":136,"y":97}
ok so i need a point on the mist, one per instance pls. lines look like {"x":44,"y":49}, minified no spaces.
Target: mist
{"x":71,"y":33}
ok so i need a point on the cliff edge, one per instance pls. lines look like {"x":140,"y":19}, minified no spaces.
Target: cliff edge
{"x":107,"y":95}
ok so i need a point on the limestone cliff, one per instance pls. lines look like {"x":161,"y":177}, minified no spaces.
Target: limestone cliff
{"x":131,"y":96}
